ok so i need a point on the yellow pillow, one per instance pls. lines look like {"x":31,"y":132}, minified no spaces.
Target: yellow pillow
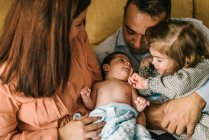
{"x":182,"y":8}
{"x":5,"y":5}
{"x":201,"y":12}
{"x":104,"y":17}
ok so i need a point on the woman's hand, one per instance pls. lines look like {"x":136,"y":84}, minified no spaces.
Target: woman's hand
{"x":81,"y":129}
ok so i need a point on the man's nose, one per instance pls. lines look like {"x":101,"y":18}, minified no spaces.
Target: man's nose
{"x":138,"y":41}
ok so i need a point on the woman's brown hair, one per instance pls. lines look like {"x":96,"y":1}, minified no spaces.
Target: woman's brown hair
{"x":181,"y":41}
{"x":35,"y":46}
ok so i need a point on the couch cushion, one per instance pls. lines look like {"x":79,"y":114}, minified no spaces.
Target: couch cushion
{"x":104,"y":17}
{"x":182,"y":8}
{"x":201,"y":11}
{"x":5,"y":5}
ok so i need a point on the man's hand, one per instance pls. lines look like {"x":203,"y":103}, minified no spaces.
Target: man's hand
{"x":177,"y":116}
{"x":183,"y":114}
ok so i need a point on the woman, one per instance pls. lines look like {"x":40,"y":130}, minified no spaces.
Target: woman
{"x":44,"y":62}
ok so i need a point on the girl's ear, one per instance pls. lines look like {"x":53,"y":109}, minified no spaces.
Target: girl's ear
{"x":106,"y":67}
{"x":188,"y":60}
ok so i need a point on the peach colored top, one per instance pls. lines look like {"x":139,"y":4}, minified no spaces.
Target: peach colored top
{"x":25,"y":118}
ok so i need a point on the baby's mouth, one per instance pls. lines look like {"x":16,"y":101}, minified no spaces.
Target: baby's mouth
{"x":127,"y":69}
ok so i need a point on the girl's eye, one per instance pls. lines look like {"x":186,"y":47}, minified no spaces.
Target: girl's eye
{"x":159,"y":60}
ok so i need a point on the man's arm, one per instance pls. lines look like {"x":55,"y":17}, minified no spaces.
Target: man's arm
{"x":204,"y":93}
{"x":177,"y":115}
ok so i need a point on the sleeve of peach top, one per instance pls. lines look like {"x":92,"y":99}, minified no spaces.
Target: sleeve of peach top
{"x":8,"y":120}
{"x":93,"y":63}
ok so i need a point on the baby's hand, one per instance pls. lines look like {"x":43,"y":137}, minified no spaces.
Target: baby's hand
{"x":137,"y":81}
{"x":85,"y":92}
{"x":141,"y":103}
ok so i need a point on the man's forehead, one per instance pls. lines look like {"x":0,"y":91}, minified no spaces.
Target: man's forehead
{"x":139,"y":21}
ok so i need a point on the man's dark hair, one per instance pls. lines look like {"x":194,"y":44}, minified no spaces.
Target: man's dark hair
{"x":152,"y":7}
{"x":108,"y":59}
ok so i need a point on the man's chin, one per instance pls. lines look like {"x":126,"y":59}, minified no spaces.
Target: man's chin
{"x":139,"y":51}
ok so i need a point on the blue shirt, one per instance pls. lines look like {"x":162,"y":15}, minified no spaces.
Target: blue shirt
{"x":204,"y":93}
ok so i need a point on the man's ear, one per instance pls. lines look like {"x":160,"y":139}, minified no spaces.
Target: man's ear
{"x":106,"y":67}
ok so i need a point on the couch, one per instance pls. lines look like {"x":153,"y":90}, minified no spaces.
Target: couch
{"x":105,"y":16}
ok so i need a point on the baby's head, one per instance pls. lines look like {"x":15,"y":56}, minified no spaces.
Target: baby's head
{"x":175,"y":45}
{"x":116,"y":65}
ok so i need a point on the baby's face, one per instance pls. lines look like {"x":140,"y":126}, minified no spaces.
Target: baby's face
{"x":162,"y":63}
{"x":120,"y":67}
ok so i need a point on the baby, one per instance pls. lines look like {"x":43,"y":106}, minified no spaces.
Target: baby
{"x":113,"y":99}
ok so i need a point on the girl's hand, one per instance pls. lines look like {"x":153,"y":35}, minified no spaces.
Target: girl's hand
{"x":81,"y":129}
{"x":137,"y":81}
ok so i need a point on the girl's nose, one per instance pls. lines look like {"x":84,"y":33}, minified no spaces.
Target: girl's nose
{"x":153,"y":61}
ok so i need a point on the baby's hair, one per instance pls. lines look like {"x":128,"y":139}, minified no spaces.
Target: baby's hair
{"x":108,"y":59}
{"x":179,"y":40}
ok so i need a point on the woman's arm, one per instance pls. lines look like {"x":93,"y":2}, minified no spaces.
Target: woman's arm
{"x":9,"y":108}
{"x":8,"y":115}
{"x":93,"y":64}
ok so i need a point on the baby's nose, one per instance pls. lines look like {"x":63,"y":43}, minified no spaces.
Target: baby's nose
{"x":127,"y":63}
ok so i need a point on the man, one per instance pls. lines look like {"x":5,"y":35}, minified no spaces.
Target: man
{"x":129,"y":38}
{"x":139,"y":15}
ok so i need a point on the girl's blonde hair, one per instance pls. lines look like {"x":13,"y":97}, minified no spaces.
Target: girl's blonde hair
{"x":179,"y":40}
